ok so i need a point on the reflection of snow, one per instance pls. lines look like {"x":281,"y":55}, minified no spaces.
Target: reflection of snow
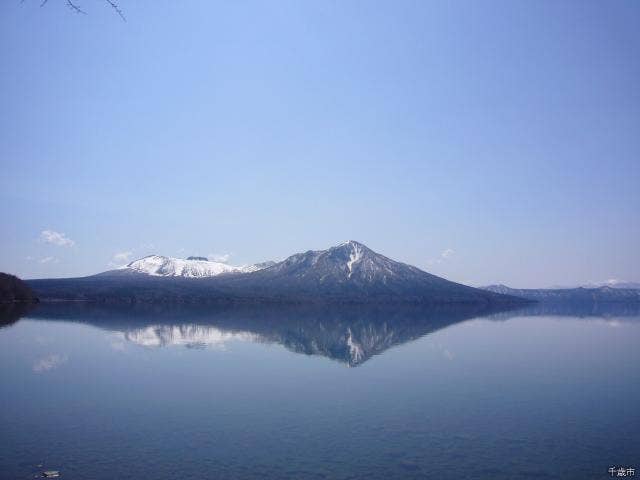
{"x":192,"y":336}
{"x":49,"y":363}
{"x":611,"y":322}
{"x":355,"y":350}
{"x":40,"y":340}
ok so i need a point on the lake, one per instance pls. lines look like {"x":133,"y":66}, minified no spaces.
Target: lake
{"x":312,"y":393}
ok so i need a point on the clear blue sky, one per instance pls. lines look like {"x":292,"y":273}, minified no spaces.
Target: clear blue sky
{"x":486,"y":142}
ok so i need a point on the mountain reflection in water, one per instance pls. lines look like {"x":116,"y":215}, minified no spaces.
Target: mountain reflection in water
{"x":348,"y":334}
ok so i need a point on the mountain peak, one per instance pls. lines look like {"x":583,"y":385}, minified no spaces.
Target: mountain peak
{"x":351,"y":244}
{"x":356,"y":251}
{"x":349,"y":262}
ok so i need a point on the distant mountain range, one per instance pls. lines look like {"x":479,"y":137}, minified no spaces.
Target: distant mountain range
{"x":613,"y":283}
{"x":580,"y":294}
{"x":347,"y":273}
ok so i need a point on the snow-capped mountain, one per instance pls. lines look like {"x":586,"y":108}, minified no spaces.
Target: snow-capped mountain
{"x":351,"y":272}
{"x":349,"y":263}
{"x":158,"y":265}
{"x":347,"y":273}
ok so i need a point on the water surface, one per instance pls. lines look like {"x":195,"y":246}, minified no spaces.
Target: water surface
{"x":315,"y":393}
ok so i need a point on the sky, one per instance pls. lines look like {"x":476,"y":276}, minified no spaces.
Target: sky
{"x":486,"y":142}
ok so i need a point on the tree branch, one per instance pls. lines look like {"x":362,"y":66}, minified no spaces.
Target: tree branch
{"x":76,"y":8}
{"x":115,"y":6}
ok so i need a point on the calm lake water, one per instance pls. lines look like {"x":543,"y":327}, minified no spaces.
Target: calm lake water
{"x":106,"y":393}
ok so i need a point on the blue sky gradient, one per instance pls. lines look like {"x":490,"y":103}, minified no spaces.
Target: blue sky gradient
{"x":482,"y":141}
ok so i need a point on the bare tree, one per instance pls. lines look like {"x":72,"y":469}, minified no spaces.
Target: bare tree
{"x":76,"y":7}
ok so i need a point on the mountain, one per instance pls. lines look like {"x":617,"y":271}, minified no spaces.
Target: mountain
{"x":347,"y":273}
{"x":14,"y":290}
{"x":192,"y":267}
{"x":613,"y":283}
{"x":353,"y":272}
{"x":580,"y":294}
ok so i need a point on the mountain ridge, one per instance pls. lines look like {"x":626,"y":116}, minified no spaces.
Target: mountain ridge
{"x":346,"y":273}
{"x":578,"y":294}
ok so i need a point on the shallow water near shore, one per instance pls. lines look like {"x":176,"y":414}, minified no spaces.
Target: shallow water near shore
{"x":291,"y":393}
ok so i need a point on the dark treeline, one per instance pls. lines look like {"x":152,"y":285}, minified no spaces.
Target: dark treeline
{"x":14,"y":290}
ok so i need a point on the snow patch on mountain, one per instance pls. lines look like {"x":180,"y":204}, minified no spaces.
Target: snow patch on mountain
{"x":354,"y":256}
{"x":194,"y":267}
